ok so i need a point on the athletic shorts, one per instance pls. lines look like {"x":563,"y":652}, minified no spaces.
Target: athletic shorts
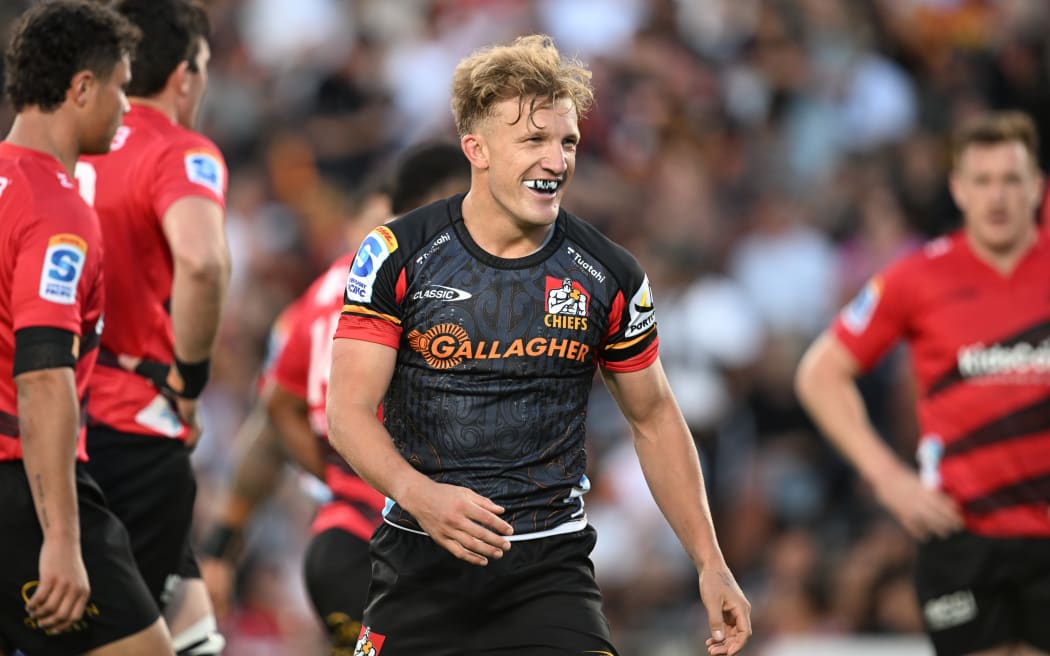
{"x":119,"y":605}
{"x":978,"y":593}
{"x":149,"y":484}
{"x":337,"y":570}
{"x":540,"y":599}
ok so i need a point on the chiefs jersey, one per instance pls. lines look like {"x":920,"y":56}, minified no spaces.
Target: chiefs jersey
{"x":153,"y":163}
{"x":301,"y":368}
{"x":496,"y":357}
{"x":980,"y":345}
{"x":50,"y":271}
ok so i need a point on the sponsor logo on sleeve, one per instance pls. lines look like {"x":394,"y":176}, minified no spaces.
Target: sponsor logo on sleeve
{"x":374,"y":250}
{"x":857,"y":315}
{"x":205,"y":169}
{"x":63,"y":264}
{"x":642,"y":313}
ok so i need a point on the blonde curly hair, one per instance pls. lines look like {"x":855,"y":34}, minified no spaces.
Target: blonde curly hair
{"x":530,"y":69}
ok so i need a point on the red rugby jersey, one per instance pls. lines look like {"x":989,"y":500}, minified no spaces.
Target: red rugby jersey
{"x":50,"y":271}
{"x":302,"y":368}
{"x":980,"y":346}
{"x":154,"y":162}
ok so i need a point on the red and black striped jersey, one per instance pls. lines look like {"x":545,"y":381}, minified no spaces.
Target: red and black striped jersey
{"x":50,"y":272}
{"x":980,"y":345}
{"x":496,"y":357}
{"x":301,"y":368}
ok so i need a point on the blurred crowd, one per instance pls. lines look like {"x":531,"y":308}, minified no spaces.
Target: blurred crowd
{"x":761,"y":158}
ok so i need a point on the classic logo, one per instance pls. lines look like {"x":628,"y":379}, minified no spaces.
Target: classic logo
{"x":63,"y":264}
{"x":858,"y":313}
{"x":641,"y":311}
{"x":447,"y":345}
{"x":376,"y":247}
{"x":567,"y":303}
{"x":441,"y":293}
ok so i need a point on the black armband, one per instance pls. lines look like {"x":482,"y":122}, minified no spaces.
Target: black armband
{"x":222,"y":542}
{"x":194,"y":377}
{"x":43,"y":347}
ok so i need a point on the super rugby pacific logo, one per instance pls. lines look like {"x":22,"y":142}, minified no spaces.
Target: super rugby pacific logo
{"x":447,"y":345}
{"x":374,"y":250}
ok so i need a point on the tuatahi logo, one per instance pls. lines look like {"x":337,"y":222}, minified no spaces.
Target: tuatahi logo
{"x":1022,"y":358}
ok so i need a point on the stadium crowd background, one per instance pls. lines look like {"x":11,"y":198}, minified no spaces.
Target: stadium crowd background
{"x":761,"y":158}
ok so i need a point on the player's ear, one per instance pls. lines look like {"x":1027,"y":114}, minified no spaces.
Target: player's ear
{"x":80,"y":87}
{"x":476,"y":150}
{"x":180,"y":77}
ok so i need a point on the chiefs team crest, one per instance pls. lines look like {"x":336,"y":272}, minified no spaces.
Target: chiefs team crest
{"x":567,"y":304}
{"x":369,"y":643}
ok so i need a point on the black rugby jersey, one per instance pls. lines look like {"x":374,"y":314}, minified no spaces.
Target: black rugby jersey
{"x":496,"y":356}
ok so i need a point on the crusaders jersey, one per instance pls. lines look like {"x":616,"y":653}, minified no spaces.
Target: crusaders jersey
{"x":301,"y":368}
{"x":496,"y":357}
{"x":980,"y":345}
{"x":153,"y":163}
{"x":50,"y":272}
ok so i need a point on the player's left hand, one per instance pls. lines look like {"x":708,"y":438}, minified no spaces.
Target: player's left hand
{"x":728,"y":611}
{"x":187,"y":409}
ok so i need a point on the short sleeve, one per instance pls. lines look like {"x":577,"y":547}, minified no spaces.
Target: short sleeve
{"x":291,"y":369}
{"x":191,"y":166}
{"x":876,"y":318}
{"x":631,"y":343}
{"x":375,"y":285}
{"x":52,"y":275}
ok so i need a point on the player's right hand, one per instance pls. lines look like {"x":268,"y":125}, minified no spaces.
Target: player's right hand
{"x":461,"y":521}
{"x":922,"y":512}
{"x":59,"y":600}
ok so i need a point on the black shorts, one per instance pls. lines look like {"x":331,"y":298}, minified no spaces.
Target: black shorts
{"x":540,"y":599}
{"x":978,"y":593}
{"x":337,"y":570}
{"x":119,"y":605}
{"x":149,"y":484}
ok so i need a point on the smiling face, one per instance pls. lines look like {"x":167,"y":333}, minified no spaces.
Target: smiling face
{"x":528,"y":159}
{"x":998,"y":188}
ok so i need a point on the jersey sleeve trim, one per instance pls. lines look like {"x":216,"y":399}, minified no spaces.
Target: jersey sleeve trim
{"x":632,"y":342}
{"x":362,"y":310}
{"x":367,"y":329}
{"x":636,"y":363}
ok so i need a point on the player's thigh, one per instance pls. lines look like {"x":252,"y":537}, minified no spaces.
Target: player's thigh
{"x":337,"y":570}
{"x":1034,"y":586}
{"x":119,"y":604}
{"x":153,"y":639}
{"x":545,"y":600}
{"x":420,"y":600}
{"x":965,"y":606}
{"x":149,"y":484}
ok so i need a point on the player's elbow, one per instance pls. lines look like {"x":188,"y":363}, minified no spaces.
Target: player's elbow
{"x":810,"y":375}
{"x":210,"y":263}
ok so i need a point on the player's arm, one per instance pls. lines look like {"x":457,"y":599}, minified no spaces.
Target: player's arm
{"x":193,"y":226}
{"x":290,"y":416}
{"x":826,"y":386}
{"x":258,"y":464}
{"x":460,"y":520}
{"x":672,"y":470}
{"x":48,"y":424}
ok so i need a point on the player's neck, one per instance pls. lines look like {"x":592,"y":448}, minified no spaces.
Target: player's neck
{"x":49,"y":133}
{"x":497,"y":233}
{"x":1005,"y":259}
{"x":157,"y":103}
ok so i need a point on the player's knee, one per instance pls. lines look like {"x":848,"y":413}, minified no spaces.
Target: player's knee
{"x":202,"y":638}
